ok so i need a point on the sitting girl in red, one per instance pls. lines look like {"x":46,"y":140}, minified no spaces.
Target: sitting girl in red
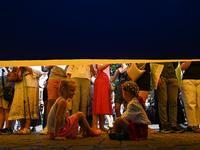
{"x":61,"y":127}
{"x":134,"y":121}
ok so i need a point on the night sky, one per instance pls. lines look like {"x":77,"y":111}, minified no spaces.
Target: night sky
{"x":99,"y":29}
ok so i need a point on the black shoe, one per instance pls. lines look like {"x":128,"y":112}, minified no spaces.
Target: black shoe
{"x":7,"y":131}
{"x":1,"y":131}
{"x":119,"y":136}
{"x":167,"y":129}
{"x":33,"y":130}
{"x":177,"y":129}
{"x":4,"y":131}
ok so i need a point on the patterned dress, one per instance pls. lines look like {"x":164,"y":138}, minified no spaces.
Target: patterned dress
{"x":20,"y":105}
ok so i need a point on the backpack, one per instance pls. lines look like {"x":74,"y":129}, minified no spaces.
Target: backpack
{"x":151,"y":113}
{"x":8,"y":91}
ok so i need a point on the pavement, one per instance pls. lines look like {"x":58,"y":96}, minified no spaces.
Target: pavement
{"x":35,"y":141}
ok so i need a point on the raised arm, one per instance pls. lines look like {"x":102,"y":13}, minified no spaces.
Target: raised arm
{"x":115,"y":75}
{"x":29,"y":69}
{"x":102,"y":66}
{"x":93,"y":70}
{"x":46,"y":68}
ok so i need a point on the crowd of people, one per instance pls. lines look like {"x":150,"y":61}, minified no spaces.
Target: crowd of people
{"x":71,"y":99}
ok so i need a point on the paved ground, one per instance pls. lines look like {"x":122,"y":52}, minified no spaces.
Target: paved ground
{"x":187,"y":140}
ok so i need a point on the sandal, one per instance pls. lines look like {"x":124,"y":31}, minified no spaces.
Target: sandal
{"x":24,"y":131}
{"x":189,"y":128}
{"x":196,"y":129}
{"x":17,"y":132}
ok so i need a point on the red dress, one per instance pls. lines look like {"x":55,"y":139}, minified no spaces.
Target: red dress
{"x":102,"y":97}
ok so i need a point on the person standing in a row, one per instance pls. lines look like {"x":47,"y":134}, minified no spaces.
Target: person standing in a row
{"x":191,"y":93}
{"x":26,"y":109}
{"x":102,"y":96}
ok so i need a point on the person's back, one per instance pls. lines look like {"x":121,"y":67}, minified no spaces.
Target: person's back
{"x":52,"y":114}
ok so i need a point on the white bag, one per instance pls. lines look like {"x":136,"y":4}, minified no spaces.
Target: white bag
{"x":134,"y":72}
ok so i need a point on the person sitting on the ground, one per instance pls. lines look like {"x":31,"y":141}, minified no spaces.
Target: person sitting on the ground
{"x":61,"y":127}
{"x":134,"y":121}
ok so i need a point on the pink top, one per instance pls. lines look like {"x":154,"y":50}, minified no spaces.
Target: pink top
{"x":106,"y":71}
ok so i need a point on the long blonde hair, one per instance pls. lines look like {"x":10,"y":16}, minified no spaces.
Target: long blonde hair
{"x":64,"y":83}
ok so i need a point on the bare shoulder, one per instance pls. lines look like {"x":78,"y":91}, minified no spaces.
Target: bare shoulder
{"x":61,"y":102}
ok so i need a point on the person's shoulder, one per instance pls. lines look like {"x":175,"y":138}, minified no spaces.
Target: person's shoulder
{"x":62,"y":102}
{"x":134,"y":104}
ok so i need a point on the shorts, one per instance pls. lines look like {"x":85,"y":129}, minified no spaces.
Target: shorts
{"x":70,"y":129}
{"x":52,"y":90}
{"x":3,"y":103}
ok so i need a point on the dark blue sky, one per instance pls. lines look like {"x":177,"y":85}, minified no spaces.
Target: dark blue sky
{"x":104,"y":29}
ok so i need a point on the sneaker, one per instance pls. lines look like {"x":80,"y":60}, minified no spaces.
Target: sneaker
{"x":167,"y":129}
{"x":44,"y":131}
{"x":7,"y":131}
{"x":2,"y":131}
{"x":177,"y":129}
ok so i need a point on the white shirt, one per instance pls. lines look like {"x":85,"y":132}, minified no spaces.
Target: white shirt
{"x":79,"y":71}
{"x":32,"y":80}
{"x":57,"y":73}
{"x":135,"y":113}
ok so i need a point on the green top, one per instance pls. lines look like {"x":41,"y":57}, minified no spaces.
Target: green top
{"x":169,"y":69}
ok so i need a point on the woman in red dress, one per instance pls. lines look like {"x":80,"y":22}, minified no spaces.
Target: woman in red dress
{"x":102,"y":97}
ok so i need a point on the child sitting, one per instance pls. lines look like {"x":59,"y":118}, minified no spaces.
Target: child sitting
{"x":61,"y":127}
{"x":134,"y":121}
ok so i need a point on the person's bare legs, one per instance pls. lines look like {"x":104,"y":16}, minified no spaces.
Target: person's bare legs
{"x":117,"y":109}
{"x":94,"y":121}
{"x":83,"y":122}
{"x":27,"y":124}
{"x":49,"y":105}
{"x":101,"y":120}
{"x":119,"y":124}
{"x":144,"y":95}
{"x":6,"y":118}
{"x":110,"y":120}
{"x":2,"y":117}
{"x":22,"y":123}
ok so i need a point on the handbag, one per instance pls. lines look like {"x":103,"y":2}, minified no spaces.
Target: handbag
{"x":8,"y":91}
{"x":112,"y":86}
{"x":15,"y":75}
{"x":134,"y":72}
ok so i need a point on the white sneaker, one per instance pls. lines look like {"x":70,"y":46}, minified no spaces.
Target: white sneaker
{"x":44,"y":131}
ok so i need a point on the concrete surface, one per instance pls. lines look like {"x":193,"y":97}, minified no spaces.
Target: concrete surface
{"x":181,"y":141}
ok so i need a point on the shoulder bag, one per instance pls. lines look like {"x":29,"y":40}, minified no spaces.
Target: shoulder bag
{"x":134,"y":72}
